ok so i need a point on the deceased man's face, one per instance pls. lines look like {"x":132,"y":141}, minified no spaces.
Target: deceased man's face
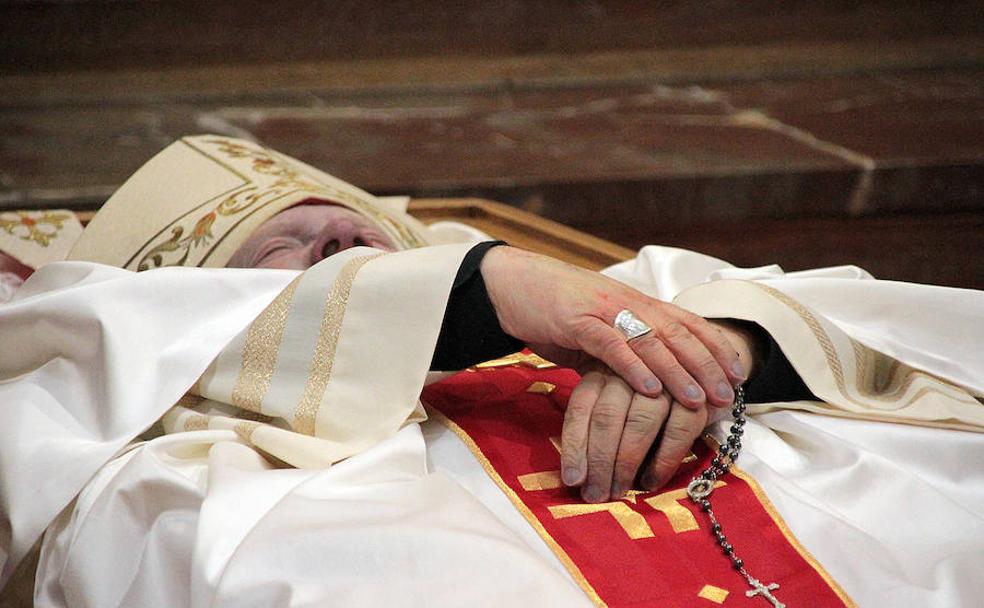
{"x":302,"y":236}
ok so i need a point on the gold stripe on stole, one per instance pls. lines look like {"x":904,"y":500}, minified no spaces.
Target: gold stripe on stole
{"x":261,"y":349}
{"x":324,"y":351}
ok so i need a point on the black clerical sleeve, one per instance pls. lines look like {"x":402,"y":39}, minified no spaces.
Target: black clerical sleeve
{"x":776,"y":379}
{"x":470,"y":334}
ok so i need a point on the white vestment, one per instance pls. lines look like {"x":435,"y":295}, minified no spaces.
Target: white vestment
{"x":92,"y":356}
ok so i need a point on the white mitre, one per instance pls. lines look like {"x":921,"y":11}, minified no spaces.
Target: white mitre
{"x":197,"y":201}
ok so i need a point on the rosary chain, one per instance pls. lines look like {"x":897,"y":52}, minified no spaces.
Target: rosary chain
{"x":702,"y":486}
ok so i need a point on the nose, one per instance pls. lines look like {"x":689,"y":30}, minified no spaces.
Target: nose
{"x":338,"y":235}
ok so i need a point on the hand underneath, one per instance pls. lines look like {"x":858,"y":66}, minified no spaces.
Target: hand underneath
{"x":566,"y":315}
{"x":609,"y":430}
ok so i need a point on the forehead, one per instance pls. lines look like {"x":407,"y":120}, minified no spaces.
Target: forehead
{"x":302,"y":219}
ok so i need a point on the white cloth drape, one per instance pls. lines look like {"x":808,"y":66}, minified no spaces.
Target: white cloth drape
{"x":894,"y":512}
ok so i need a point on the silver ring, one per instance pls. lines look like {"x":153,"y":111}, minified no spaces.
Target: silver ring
{"x":630,"y":325}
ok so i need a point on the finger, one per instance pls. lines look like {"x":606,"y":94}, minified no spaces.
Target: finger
{"x":662,"y":361}
{"x":682,"y":427}
{"x":605,"y":343}
{"x":574,"y":437}
{"x":642,"y":424}
{"x":604,"y":434}
{"x":718,"y":345}
{"x":697,"y":360}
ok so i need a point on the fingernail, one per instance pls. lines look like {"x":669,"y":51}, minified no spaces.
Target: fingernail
{"x":592,"y":493}
{"x":571,"y":475}
{"x":739,"y":370}
{"x":652,"y":385}
{"x":724,"y":391}
{"x":694,"y":393}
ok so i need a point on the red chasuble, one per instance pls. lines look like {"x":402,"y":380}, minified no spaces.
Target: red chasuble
{"x":648,"y":549}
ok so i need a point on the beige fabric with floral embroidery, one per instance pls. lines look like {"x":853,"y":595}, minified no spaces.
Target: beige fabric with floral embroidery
{"x":196,"y":202}
{"x":36,"y":238}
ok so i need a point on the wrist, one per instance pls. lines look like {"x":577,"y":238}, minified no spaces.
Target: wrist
{"x":746,"y":339}
{"x":496,"y":267}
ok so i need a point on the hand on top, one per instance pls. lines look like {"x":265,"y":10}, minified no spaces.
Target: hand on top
{"x":566,"y":315}
{"x":616,"y":413}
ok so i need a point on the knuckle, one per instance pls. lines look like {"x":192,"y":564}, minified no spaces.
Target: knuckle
{"x":709,"y":366}
{"x":577,"y":410}
{"x":649,"y":343}
{"x":605,"y":417}
{"x":674,"y":330}
{"x":642,"y":420}
{"x":600,"y":460}
{"x":679,"y":433}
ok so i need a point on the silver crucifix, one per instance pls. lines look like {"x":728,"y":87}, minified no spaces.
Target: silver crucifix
{"x":764,"y":590}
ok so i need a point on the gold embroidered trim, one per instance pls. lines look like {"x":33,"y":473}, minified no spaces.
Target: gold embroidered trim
{"x":27,"y":226}
{"x":196,"y":422}
{"x":324,"y":352}
{"x":565,"y":559}
{"x":193,"y":233}
{"x":860,"y":354}
{"x":245,"y":430}
{"x":261,"y":349}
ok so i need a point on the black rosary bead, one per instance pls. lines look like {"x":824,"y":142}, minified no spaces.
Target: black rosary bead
{"x":705,"y":505}
{"x":737,"y":563}
{"x":728,"y":549}
{"x":716,"y":528}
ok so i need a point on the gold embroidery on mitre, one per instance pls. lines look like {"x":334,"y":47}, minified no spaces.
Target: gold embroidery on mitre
{"x":261,"y":349}
{"x":38,"y":227}
{"x":191,"y":233}
{"x":714,"y":594}
{"x":324,"y":352}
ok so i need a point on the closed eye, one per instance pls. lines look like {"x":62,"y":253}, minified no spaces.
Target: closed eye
{"x":274,"y":247}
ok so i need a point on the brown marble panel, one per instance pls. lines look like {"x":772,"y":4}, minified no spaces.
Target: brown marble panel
{"x":44,"y":35}
{"x":921,"y":132}
{"x":79,"y":156}
{"x":581,"y":137}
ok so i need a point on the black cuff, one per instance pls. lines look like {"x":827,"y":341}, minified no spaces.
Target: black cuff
{"x":776,"y":379}
{"x":470,"y":332}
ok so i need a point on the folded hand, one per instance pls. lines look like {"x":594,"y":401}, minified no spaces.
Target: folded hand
{"x":566,"y":314}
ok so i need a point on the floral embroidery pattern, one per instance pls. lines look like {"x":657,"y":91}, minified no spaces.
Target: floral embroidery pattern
{"x":40,"y":228}
{"x":176,"y":250}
